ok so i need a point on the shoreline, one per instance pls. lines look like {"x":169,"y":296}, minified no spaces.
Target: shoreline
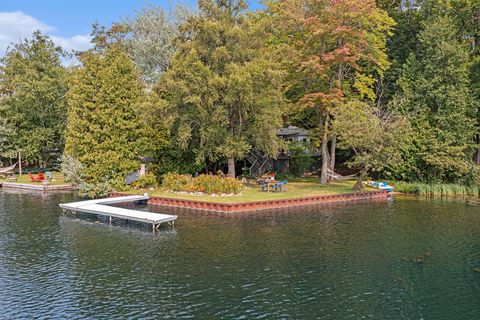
{"x":223,"y":207}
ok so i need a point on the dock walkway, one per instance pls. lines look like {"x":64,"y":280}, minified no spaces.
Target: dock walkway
{"x":100,"y":207}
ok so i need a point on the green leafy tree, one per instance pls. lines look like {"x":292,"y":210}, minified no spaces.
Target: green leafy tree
{"x":7,"y":137}
{"x":337,"y":47}
{"x":435,"y":93}
{"x":104,"y":129}
{"x":225,"y":92}
{"x":375,"y":136}
{"x":151,"y":40}
{"x":148,"y":38}
{"x":33,"y":85}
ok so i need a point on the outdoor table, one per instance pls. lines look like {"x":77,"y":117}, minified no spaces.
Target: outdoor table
{"x":275,"y":185}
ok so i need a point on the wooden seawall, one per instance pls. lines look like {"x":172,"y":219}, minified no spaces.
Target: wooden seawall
{"x":261,"y":205}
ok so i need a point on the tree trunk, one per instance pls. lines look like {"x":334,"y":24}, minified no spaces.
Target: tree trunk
{"x":231,"y":167}
{"x":361,"y":177}
{"x":325,"y":157}
{"x":333,"y":146}
{"x":19,"y":162}
{"x":477,"y":153}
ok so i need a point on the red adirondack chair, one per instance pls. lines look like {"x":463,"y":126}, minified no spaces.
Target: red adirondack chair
{"x":39,"y":178}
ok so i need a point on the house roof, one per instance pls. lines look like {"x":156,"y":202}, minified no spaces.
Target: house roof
{"x":292,"y":131}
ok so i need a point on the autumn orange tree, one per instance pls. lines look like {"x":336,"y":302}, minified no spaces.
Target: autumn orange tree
{"x":336,"y":49}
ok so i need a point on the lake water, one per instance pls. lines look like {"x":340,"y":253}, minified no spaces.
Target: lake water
{"x":400,"y":259}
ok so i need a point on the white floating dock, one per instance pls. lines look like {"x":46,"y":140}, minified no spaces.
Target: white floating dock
{"x":99,"y":206}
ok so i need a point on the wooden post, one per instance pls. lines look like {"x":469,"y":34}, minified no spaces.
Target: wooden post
{"x":20,"y":162}
{"x":143,"y":169}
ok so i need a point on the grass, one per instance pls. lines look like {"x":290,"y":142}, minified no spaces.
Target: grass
{"x":296,"y":188}
{"x":24,"y":178}
{"x":438,"y":190}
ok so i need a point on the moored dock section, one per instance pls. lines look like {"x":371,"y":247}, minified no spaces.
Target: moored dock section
{"x":100,"y":207}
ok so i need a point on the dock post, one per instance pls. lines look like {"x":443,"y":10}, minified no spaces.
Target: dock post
{"x":110,"y":219}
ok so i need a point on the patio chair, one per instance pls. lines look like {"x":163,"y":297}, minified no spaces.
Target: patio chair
{"x":39,"y":178}
{"x":264,"y":187}
{"x":49,"y":175}
{"x":277,"y":187}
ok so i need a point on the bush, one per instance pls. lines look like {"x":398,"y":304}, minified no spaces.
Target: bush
{"x":94,"y":190}
{"x":175,"y":181}
{"x":300,"y":160}
{"x":204,"y":183}
{"x":146,"y":181}
{"x":72,"y":170}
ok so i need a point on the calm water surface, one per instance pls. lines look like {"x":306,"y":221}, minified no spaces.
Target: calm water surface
{"x":401,"y":259}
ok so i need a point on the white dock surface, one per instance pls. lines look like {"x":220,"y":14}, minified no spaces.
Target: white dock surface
{"x":99,"y":206}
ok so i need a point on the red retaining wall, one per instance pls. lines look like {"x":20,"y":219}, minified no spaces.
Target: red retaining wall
{"x":260,"y":205}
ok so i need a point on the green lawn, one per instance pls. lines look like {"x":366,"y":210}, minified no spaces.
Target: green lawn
{"x":297,"y":188}
{"x":24,"y":178}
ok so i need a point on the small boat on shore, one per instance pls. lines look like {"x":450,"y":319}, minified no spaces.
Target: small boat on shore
{"x":382,"y":186}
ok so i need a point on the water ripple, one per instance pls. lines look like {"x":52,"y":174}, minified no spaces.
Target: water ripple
{"x":406,"y":259}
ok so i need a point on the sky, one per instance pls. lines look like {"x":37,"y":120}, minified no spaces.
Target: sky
{"x":68,"y":23}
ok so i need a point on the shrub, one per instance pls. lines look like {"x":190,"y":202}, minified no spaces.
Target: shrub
{"x":94,"y":190}
{"x":175,"y":181}
{"x":146,"y":181}
{"x":216,"y":184}
{"x":204,"y":183}
{"x":72,"y":170}
{"x":300,"y":160}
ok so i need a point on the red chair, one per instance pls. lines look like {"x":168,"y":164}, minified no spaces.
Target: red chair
{"x":39,"y":178}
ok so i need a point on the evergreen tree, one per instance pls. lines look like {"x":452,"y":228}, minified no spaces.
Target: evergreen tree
{"x":33,"y":84}
{"x":435,"y":93}
{"x":103,"y":128}
{"x":225,"y":91}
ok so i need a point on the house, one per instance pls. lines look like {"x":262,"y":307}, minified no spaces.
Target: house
{"x":294,"y":134}
{"x":259,"y":164}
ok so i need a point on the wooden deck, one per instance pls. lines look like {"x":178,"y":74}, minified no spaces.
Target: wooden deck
{"x":36,"y":187}
{"x":100,"y":207}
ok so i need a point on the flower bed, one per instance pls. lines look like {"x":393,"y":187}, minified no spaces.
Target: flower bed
{"x":205,"y":184}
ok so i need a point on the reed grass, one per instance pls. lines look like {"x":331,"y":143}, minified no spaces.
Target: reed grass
{"x":438,"y":190}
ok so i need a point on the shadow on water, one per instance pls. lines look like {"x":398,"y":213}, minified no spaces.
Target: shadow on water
{"x":400,"y":259}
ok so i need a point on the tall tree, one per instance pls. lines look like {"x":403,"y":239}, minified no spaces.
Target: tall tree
{"x":151,"y":39}
{"x":148,"y":37}
{"x":103,"y":129}
{"x":33,"y":84}
{"x":375,"y":136}
{"x":435,"y":92}
{"x":337,"y":47}
{"x":225,"y":90}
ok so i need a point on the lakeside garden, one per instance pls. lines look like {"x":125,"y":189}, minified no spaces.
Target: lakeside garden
{"x":388,"y":90}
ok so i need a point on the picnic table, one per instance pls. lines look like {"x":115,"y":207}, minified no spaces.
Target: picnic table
{"x":273,"y":185}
